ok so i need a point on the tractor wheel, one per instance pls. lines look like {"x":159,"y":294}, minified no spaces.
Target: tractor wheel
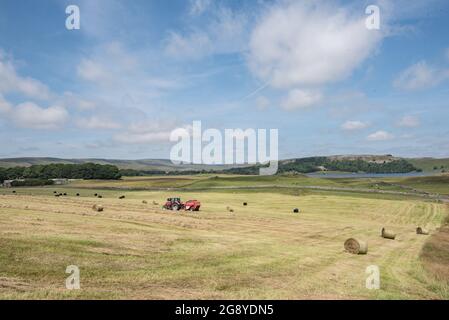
{"x":175,"y":208}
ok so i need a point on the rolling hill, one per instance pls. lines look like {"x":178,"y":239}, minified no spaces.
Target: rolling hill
{"x":430,"y":164}
{"x":143,"y":164}
{"x":425,"y":164}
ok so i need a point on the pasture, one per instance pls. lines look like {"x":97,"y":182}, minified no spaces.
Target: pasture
{"x":136,"y":250}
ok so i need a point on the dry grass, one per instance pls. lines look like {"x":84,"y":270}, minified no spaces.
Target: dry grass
{"x":135,"y":250}
{"x":435,"y":253}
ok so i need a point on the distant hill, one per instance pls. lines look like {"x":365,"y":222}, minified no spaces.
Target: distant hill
{"x":144,"y":164}
{"x":366,"y":157}
{"x":353,"y":163}
{"x":425,"y":164}
{"x":431,"y":164}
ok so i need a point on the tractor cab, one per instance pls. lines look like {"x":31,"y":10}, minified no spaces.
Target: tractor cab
{"x":173,"y":204}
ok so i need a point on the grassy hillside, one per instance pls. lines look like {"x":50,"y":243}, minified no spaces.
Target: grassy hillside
{"x":434,"y":184}
{"x":429,"y":164}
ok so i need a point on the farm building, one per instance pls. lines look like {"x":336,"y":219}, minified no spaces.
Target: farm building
{"x":60,"y":181}
{"x":8,"y":183}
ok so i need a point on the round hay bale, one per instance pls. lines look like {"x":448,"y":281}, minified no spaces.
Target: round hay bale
{"x":54,"y":192}
{"x":97,"y":207}
{"x":295,"y":210}
{"x":100,"y":196}
{"x":144,"y":202}
{"x":121,"y":197}
{"x":77,"y":194}
{"x":356,"y":246}
{"x":231,"y":210}
{"x":387,"y":234}
{"x":14,"y":191}
{"x":245,"y":203}
{"x":423,"y":231}
{"x":96,"y":194}
{"x":65,"y":193}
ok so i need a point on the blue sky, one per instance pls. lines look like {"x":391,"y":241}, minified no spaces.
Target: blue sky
{"x":138,"y":69}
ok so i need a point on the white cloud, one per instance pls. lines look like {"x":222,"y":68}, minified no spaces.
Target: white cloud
{"x":5,"y":106}
{"x":298,"y":99}
{"x":92,"y":71}
{"x":380,"y":136}
{"x":197,"y":7}
{"x":30,"y":115}
{"x":194,"y":45}
{"x":74,"y":100}
{"x":142,"y":138}
{"x":10,"y":81}
{"x":415,"y":77}
{"x":111,"y":63}
{"x":407,"y":136}
{"x":95,"y":122}
{"x":86,"y":104}
{"x":147,"y":131}
{"x":113,"y":72}
{"x":420,"y":76}
{"x":354,"y":125}
{"x":103,"y":18}
{"x":223,"y":34}
{"x":152,"y":125}
{"x":262,"y":102}
{"x":409,"y":121}
{"x":309,"y":44}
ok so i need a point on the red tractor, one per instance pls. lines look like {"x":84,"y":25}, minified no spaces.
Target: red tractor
{"x":175,"y":204}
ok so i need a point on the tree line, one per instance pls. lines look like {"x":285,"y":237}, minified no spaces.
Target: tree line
{"x":303,"y":165}
{"x":64,"y":171}
{"x":315,"y":164}
{"x":111,"y":172}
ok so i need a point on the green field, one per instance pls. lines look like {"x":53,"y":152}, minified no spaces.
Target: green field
{"x":418,"y":185}
{"x":430,"y":164}
{"x":136,"y":250}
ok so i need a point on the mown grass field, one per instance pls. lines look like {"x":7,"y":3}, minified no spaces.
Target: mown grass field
{"x":133,"y":250}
